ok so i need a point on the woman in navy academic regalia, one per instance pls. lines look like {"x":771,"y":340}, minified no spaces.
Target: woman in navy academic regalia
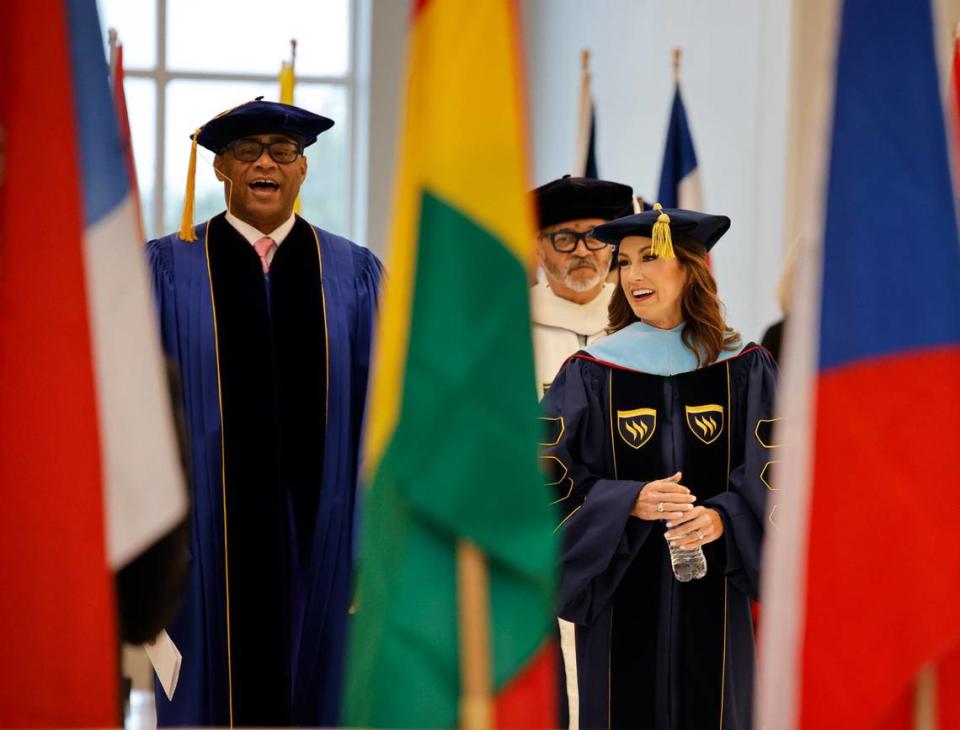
{"x":661,"y":432}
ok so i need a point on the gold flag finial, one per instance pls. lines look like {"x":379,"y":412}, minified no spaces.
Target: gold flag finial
{"x":677,"y":54}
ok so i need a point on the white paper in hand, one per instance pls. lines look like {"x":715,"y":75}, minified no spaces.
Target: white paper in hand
{"x":166,"y":660}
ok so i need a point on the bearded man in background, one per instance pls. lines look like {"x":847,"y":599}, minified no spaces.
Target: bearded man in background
{"x":569,"y":306}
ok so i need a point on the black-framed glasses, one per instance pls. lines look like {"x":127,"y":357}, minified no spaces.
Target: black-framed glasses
{"x":566,"y":241}
{"x":249,"y":150}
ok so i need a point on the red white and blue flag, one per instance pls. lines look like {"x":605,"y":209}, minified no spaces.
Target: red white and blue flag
{"x":680,"y":185}
{"x":862,"y":568}
{"x":89,"y":474}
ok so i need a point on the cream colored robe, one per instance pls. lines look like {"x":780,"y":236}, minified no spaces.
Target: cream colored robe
{"x":561,"y":327}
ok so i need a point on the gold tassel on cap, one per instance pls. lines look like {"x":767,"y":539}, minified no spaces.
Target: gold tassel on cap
{"x":662,"y":240}
{"x":186,"y":221}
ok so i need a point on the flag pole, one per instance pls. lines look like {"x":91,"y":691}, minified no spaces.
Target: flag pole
{"x":288,"y":80}
{"x":585,"y":87}
{"x":925,"y":699}
{"x":584,"y":114}
{"x":473,"y":592}
{"x":585,"y":74}
{"x":677,"y":54}
{"x":112,"y":40}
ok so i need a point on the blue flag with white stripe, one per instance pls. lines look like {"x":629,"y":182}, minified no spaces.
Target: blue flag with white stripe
{"x":679,"y":176}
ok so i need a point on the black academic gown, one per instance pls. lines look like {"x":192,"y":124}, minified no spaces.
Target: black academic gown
{"x":274,"y":372}
{"x":652,"y":652}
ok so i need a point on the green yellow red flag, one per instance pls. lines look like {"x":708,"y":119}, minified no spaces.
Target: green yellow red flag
{"x":452,"y":428}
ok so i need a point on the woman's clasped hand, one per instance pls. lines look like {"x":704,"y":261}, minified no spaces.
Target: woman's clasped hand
{"x":689,"y":525}
{"x":663,"y":499}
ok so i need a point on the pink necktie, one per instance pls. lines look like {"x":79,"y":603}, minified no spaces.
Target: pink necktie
{"x":263,"y":247}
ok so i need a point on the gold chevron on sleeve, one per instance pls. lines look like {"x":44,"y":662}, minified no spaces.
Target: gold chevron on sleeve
{"x":764,"y":432}
{"x":765,"y":476}
{"x":553,"y":430}
{"x":553,"y":468}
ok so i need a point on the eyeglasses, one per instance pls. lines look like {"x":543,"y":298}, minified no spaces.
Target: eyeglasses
{"x":250,"y":150}
{"x":565,"y":241}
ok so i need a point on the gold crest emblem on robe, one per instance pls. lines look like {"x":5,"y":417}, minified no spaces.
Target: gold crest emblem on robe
{"x":706,"y":422}
{"x":636,"y":426}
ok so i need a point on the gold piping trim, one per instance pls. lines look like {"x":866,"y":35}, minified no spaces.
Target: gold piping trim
{"x":326,"y":329}
{"x":770,"y":516}
{"x":567,"y":518}
{"x":559,"y":435}
{"x":613,"y":450}
{"x":723,"y":664}
{"x":223,"y":472}
{"x":610,"y":673}
{"x":756,"y":432}
{"x":723,"y":676}
{"x":565,"y":470}
{"x":728,"y":432}
{"x":764,"y":471}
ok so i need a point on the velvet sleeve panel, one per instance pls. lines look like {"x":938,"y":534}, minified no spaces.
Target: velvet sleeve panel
{"x":600,"y":538}
{"x":743,"y":507}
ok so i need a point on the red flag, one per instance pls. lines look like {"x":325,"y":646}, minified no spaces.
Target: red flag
{"x":89,"y":474}
{"x":57,"y":628}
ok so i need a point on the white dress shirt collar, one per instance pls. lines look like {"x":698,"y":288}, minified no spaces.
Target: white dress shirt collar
{"x":253,"y":235}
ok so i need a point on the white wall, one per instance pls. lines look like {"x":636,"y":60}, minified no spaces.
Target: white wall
{"x":735,"y":84}
{"x":390,"y":23}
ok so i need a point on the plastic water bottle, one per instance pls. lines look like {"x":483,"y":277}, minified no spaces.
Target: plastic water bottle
{"x":687,"y":565}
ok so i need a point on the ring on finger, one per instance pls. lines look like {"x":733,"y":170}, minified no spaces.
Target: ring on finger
{"x":660,"y":507}
{"x":700,"y":534}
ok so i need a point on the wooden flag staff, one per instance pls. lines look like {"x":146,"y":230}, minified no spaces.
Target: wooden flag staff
{"x":476,"y":670}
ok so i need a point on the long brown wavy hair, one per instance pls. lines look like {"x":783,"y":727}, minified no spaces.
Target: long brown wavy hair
{"x":706,"y":333}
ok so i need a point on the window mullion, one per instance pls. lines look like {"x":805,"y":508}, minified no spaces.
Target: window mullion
{"x":358,"y":129}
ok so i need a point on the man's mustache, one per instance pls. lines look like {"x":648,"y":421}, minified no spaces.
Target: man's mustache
{"x":581,"y":263}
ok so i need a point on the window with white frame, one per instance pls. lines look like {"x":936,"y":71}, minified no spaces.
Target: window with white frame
{"x":186,"y":61}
